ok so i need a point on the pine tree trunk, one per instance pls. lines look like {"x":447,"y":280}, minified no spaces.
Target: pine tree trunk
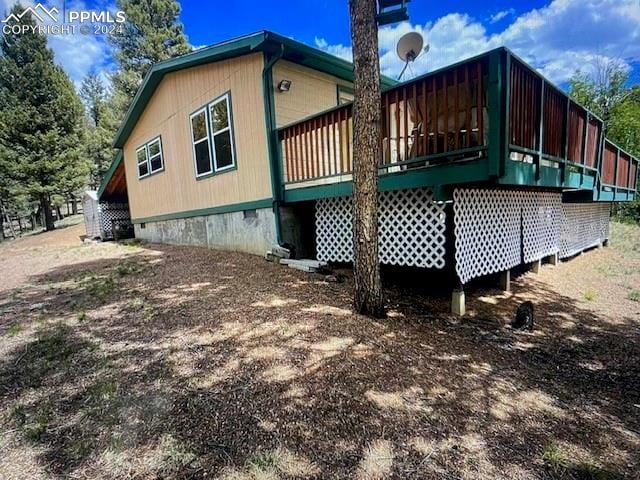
{"x":366,"y":154}
{"x":59,"y":213}
{"x":74,"y":206}
{"x":45,"y":206}
{"x":5,"y":216}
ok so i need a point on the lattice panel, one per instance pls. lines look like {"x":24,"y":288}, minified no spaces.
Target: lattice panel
{"x":411,"y":229}
{"x":112,"y":211}
{"x":541,"y":219}
{"x":334,"y":240}
{"x":487,"y":231}
{"x":584,"y":225}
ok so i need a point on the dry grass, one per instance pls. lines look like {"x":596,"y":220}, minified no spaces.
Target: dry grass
{"x":173,"y":362}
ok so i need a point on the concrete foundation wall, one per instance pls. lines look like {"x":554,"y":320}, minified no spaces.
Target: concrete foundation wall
{"x":251,"y":231}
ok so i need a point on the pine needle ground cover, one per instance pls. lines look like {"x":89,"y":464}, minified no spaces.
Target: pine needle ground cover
{"x":129,"y":361}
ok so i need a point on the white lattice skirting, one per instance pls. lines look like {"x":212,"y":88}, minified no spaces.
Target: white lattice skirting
{"x":584,"y":225}
{"x":496,"y":229}
{"x":411,"y":229}
{"x":110,"y":211}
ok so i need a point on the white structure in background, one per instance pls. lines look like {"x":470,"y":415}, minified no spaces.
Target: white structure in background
{"x":91,"y":210}
{"x":100,"y":218}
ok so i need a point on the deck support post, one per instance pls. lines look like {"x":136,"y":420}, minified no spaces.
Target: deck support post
{"x":458,"y":305}
{"x":553,"y":259}
{"x":537,"y":266}
{"x":505,"y":280}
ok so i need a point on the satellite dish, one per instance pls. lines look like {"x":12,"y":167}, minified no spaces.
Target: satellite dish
{"x":409,"y":47}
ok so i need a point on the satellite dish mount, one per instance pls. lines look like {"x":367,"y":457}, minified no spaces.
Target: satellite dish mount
{"x":409,"y":47}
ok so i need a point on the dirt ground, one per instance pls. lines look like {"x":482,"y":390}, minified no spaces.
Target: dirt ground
{"x":122,"y":361}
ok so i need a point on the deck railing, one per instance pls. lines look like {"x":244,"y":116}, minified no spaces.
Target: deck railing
{"x":445,"y":116}
{"x":434,"y":117}
{"x":619,"y":168}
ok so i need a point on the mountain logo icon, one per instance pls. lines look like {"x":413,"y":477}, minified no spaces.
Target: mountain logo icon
{"x":39,"y":11}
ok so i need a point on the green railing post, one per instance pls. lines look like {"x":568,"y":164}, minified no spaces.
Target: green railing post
{"x":585,"y":135}
{"x":615,"y":170}
{"x":541,"y":130}
{"x":498,"y":112}
{"x":597,"y":183}
{"x":566,"y":142}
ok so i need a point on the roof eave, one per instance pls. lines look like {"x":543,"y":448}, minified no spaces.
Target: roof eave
{"x":229,"y":49}
{"x":109,"y":174}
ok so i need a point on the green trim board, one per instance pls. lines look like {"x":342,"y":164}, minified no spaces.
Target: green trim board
{"x":529,"y":174}
{"x":469,"y":171}
{"x":234,"y":207}
{"x":614,"y":196}
{"x":109,"y":173}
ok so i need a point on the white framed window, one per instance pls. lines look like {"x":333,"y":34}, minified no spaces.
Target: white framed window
{"x":149,"y":158}
{"x":143,"y":162}
{"x":201,"y":142}
{"x":221,"y":133}
{"x":212,"y":137}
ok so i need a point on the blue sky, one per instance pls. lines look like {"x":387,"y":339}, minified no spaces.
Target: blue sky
{"x":557,"y":36}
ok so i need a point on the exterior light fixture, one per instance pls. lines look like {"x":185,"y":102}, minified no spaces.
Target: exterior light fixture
{"x":284,"y":85}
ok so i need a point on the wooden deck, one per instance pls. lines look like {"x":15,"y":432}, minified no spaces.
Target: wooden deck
{"x":490,"y":119}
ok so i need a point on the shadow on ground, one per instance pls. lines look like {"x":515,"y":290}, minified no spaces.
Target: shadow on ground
{"x":183,"y":362}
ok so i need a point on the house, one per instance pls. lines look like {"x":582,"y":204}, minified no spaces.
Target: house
{"x":248,"y":143}
{"x":200,"y":148}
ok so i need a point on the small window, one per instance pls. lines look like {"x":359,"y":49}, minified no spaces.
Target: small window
{"x":212,"y":135}
{"x":201,"y":147}
{"x":149,"y":158}
{"x":155,"y":155}
{"x":345,"y":95}
{"x":143,"y":164}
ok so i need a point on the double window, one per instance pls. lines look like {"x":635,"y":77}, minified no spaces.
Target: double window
{"x":149,"y":158}
{"x":212,"y":137}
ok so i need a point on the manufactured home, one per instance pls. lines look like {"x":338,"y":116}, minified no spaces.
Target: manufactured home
{"x":248,"y":143}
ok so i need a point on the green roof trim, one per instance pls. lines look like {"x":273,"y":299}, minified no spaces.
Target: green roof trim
{"x":263,"y":41}
{"x":109,"y":173}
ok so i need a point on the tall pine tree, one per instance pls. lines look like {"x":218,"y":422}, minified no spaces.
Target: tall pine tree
{"x":42,"y":119}
{"x":150,"y":34}
{"x":100,"y":127}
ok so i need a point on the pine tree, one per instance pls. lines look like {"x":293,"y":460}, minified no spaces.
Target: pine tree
{"x":368,"y":297}
{"x":606,"y":93}
{"x":100,"y":127}
{"x":41,"y":129}
{"x":151,"y":33}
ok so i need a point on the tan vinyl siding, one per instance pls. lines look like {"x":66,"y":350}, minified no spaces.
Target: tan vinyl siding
{"x":167,"y":114}
{"x":311,"y":92}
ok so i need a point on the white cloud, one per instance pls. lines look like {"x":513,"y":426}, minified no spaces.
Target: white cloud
{"x":77,"y":54}
{"x":338,"y":50}
{"x":558,"y":39}
{"x":496,"y":17}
